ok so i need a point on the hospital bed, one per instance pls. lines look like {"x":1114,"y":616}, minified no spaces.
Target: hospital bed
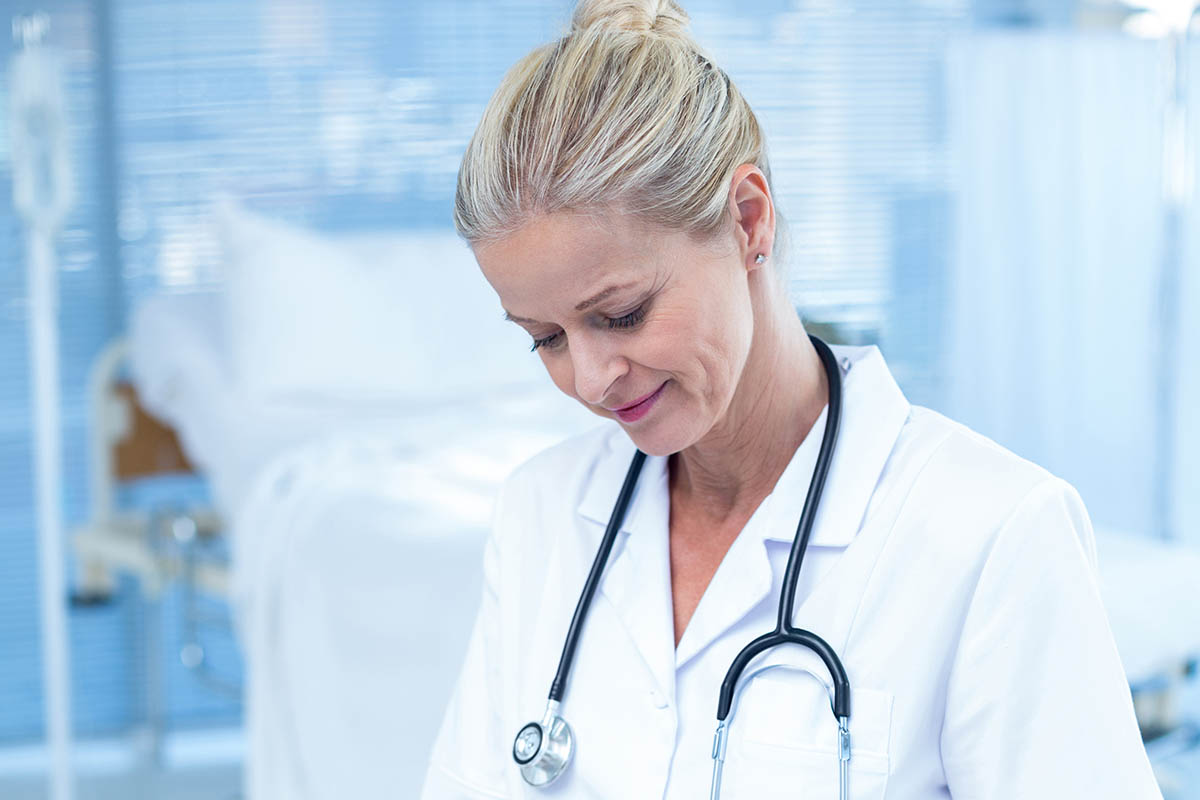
{"x":128,"y":444}
{"x":357,"y":494}
{"x":354,"y":403}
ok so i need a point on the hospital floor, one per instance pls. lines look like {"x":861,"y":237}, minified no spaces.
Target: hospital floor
{"x":224,"y":783}
{"x":1179,"y":776}
{"x":202,"y":764}
{"x":193,"y":783}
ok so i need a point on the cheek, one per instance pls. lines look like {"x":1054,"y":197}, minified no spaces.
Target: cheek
{"x":702,"y":343}
{"x":672,"y":342}
{"x":718,"y":350}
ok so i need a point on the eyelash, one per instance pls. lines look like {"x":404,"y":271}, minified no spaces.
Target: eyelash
{"x":629,"y":320}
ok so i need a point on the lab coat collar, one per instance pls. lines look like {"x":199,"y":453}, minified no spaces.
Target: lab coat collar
{"x":873,"y":412}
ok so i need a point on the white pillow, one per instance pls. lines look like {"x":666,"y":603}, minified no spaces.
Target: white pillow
{"x":363,"y":318}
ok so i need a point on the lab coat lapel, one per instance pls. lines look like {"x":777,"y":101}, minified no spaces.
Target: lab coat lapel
{"x":637,"y":581}
{"x":873,"y":412}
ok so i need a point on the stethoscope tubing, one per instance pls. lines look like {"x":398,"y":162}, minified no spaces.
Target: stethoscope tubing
{"x":559,"y":685}
{"x":784,"y":633}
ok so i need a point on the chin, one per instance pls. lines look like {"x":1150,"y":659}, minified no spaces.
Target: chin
{"x":657,"y":440}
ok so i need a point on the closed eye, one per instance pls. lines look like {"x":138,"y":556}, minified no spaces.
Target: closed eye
{"x":545,"y":341}
{"x":630,"y":320}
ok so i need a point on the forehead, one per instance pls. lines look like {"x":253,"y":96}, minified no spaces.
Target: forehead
{"x":565,"y":248}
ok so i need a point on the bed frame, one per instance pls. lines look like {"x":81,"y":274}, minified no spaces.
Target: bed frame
{"x":125,"y":444}
{"x":156,"y":546}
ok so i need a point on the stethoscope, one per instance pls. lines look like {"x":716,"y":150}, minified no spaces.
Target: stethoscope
{"x":543,"y":749}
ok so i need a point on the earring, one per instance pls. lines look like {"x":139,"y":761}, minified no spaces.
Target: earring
{"x":760,"y":258}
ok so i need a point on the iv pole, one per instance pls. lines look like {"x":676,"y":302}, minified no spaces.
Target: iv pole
{"x":42,"y":193}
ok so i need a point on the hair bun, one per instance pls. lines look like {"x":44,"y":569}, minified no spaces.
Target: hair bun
{"x":635,"y":16}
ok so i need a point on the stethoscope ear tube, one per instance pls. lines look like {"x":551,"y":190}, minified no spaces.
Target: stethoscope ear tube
{"x":721,"y":737}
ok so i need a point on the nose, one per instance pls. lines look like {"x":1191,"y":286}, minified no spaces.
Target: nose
{"x":597,"y":366}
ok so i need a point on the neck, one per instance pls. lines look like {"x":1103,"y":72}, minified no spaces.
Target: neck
{"x":779,"y":397}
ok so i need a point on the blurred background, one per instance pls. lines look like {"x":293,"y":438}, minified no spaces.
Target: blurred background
{"x":255,"y":397}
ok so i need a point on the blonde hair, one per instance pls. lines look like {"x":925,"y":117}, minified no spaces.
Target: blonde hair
{"x":625,"y":113}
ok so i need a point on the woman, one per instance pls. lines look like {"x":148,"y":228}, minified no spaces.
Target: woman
{"x":617,"y":197}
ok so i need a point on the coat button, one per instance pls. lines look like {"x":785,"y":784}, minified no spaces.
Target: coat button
{"x":657,"y":698}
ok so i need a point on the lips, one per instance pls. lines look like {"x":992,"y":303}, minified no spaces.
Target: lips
{"x":639,"y":401}
{"x":635,"y":411}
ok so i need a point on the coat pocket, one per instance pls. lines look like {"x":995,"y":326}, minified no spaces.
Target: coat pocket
{"x":784,"y":741}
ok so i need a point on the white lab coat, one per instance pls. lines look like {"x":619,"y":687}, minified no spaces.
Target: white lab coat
{"x":956,"y":581}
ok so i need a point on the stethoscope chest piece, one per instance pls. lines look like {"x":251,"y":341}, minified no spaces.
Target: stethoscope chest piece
{"x":544,"y":749}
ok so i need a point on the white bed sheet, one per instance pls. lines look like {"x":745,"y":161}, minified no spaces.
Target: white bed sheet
{"x":357,"y":576}
{"x":356,"y":532}
{"x":179,"y":363}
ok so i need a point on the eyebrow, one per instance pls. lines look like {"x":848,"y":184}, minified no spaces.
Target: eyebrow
{"x":586,"y":304}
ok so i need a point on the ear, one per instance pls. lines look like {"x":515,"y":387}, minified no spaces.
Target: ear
{"x":753,"y":213}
